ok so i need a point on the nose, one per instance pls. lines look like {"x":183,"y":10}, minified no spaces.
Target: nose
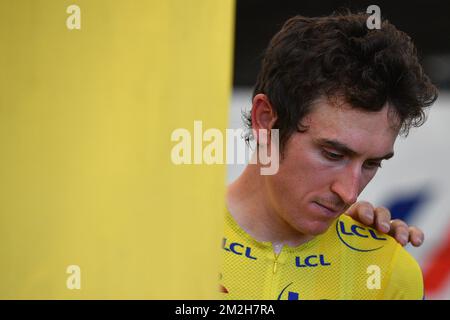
{"x":347,"y":185}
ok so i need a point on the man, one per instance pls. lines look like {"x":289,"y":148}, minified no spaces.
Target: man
{"x":339,"y":94}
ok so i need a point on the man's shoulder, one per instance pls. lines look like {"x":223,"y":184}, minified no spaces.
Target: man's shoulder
{"x":358,"y":237}
{"x":406,"y":280}
{"x":361,"y":238}
{"x":401,"y":272}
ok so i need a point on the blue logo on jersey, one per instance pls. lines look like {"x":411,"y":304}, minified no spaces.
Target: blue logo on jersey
{"x":347,"y":236}
{"x":238,"y":249}
{"x":311,"y":261}
{"x":291,"y":295}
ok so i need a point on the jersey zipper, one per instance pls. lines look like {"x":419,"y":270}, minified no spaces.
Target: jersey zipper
{"x":274,"y":276}
{"x":275,"y":263}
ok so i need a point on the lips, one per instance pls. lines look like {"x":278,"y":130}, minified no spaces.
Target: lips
{"x":329,"y":210}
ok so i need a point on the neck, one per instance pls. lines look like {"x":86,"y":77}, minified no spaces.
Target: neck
{"x":249,"y":203}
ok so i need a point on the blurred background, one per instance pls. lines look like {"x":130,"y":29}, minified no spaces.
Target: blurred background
{"x":415,"y":184}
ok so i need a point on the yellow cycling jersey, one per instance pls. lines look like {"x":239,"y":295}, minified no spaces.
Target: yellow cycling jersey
{"x":348,"y":261}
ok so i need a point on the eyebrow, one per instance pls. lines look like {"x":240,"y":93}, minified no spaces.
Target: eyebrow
{"x":341,"y":147}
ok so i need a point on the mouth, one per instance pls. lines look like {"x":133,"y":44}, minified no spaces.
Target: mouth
{"x":329,"y":211}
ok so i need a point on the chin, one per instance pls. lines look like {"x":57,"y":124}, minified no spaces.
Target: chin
{"x":316,"y":227}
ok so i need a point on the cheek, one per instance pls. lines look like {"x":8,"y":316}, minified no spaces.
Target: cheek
{"x":285,"y":188}
{"x":301,"y":176}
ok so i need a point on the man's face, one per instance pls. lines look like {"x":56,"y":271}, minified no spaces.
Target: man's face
{"x":325,"y":168}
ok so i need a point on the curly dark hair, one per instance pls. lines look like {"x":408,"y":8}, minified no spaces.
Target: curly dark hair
{"x":338,"y":55}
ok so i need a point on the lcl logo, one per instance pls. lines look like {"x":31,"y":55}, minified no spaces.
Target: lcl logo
{"x":353,"y":237}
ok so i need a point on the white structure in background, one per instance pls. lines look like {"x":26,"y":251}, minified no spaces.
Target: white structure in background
{"x":421,"y":163}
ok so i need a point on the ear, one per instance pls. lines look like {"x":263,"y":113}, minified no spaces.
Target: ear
{"x":263,"y":117}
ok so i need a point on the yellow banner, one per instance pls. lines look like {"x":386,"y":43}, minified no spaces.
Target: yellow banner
{"x":91,"y":204}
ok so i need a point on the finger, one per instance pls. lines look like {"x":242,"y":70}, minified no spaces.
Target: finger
{"x":416,"y":236}
{"x":399,"y":230}
{"x":362,"y":211}
{"x":382,"y":219}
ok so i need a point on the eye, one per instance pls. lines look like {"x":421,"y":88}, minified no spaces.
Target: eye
{"x":332,"y":156}
{"x":373,"y":164}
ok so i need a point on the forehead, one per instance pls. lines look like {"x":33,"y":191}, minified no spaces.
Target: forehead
{"x":365,"y":132}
